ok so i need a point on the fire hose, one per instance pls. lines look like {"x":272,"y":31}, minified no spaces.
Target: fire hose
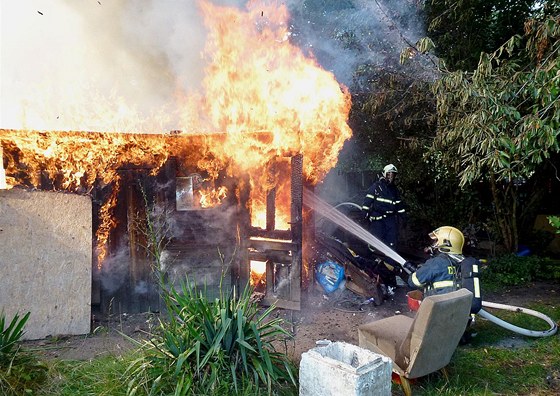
{"x":349,"y":225}
{"x":516,"y":329}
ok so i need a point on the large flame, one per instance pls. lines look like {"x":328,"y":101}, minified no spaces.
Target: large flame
{"x":258,"y":81}
{"x":262,"y":100}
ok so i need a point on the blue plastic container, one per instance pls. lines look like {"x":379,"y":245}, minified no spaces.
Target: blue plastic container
{"x":329,"y":275}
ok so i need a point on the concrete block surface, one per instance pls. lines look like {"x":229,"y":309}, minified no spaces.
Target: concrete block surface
{"x":343,"y":369}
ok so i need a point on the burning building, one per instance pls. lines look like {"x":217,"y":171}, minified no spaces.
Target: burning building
{"x":224,"y":186}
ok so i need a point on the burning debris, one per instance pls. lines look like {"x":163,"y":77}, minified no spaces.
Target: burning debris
{"x":265,"y":98}
{"x":261,"y":104}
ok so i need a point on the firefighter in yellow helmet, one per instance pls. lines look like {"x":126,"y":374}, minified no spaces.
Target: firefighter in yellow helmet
{"x":449,"y":270}
{"x":439,"y":274}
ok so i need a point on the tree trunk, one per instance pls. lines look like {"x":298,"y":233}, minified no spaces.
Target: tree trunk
{"x":505,"y":204}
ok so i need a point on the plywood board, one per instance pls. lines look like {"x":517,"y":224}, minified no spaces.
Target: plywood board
{"x":46,"y":260}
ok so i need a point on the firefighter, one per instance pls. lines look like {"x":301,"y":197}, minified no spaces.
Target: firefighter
{"x":382,"y":205}
{"x":449,"y":269}
{"x":438,"y":275}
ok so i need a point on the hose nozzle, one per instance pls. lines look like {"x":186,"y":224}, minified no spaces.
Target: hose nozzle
{"x":409,"y":267}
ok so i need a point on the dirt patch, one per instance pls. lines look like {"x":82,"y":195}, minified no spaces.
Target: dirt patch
{"x":113,"y":335}
{"x":335,"y":318}
{"x":537,"y":292}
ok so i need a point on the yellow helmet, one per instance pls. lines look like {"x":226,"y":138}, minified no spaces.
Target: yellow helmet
{"x":448,"y":240}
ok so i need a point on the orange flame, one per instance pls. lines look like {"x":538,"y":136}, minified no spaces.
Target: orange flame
{"x":107,"y":223}
{"x":262,"y":100}
{"x":212,"y":196}
{"x":258,"y":273}
{"x":258,"y":81}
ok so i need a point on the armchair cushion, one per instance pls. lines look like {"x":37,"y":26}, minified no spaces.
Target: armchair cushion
{"x":423,"y":344}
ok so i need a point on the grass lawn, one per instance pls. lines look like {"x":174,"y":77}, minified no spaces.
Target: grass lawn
{"x":488,"y":365}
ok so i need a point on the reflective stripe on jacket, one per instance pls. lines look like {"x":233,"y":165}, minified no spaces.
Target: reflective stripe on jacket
{"x":382,"y":200}
{"x":436,"y":276}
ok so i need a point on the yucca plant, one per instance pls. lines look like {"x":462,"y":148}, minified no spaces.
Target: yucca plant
{"x":206,"y":345}
{"x":10,"y":336}
{"x":20,"y":372}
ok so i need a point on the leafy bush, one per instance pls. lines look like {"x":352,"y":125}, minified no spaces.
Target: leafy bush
{"x":513,"y":270}
{"x":212,"y":347}
{"x":554,"y":222}
{"x":20,"y":372}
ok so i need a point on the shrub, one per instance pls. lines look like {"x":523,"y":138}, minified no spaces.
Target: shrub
{"x":555,"y":223}
{"x":10,"y":336}
{"x":512,"y":270}
{"x":209,"y":347}
{"x":20,"y":372}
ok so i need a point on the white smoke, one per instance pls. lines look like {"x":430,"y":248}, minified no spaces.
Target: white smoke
{"x":350,"y":36}
{"x":61,"y":57}
{"x":66,"y":63}
{"x":114,"y":273}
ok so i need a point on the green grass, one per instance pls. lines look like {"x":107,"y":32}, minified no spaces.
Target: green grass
{"x":476,"y":369}
{"x":102,"y":376}
{"x":106,"y":376}
{"x":479,"y":368}
{"x":486,"y":366}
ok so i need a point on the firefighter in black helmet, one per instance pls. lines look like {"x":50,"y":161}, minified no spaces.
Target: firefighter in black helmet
{"x":382,"y":205}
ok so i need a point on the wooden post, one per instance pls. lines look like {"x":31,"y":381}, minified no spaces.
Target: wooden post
{"x":297,"y":228}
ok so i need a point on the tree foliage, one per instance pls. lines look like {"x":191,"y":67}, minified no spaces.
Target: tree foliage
{"x":462,"y":29}
{"x":501,"y":122}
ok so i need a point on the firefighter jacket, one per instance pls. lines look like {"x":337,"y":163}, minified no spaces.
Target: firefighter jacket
{"x":382,"y":200}
{"x":437,"y":276}
{"x":441,"y":274}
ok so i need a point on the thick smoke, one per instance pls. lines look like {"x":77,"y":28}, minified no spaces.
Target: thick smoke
{"x":354,"y":37}
{"x":67,"y":59}
{"x":80,"y":60}
{"x":216,"y":235}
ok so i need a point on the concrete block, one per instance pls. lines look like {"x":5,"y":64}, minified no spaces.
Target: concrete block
{"x":46,"y":260}
{"x":342,"y":369}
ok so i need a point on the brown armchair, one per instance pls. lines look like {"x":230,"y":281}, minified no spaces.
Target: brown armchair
{"x":421,"y":345}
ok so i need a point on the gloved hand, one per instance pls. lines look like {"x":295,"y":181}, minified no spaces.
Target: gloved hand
{"x":409,"y":267}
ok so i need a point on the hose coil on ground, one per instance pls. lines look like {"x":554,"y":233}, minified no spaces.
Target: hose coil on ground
{"x":519,"y":330}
